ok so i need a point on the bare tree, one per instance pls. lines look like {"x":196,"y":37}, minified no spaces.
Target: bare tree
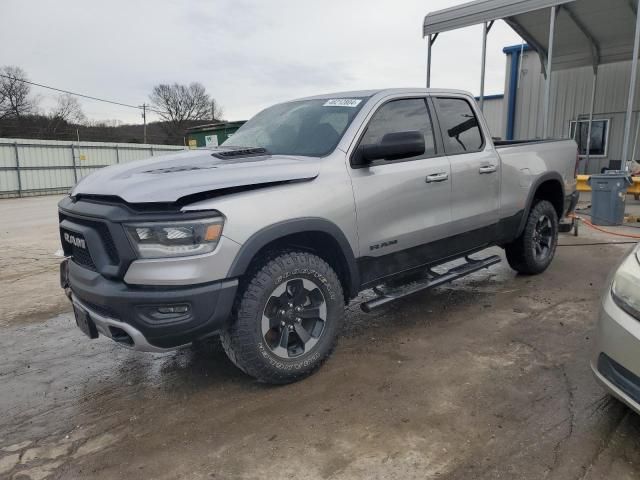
{"x":68,"y":109}
{"x":179,"y":104}
{"x":114,"y":123}
{"x":15,"y":98}
{"x":216,"y":111}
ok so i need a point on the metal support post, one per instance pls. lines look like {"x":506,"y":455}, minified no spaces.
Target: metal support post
{"x":486,"y":27}
{"x":593,"y":101}
{"x":144,"y":120}
{"x":632,"y":93}
{"x":15,"y":149}
{"x":75,"y":166}
{"x":430,"y":41}
{"x":547,"y":91}
{"x":635,"y":139}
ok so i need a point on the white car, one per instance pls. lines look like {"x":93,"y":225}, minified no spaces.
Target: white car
{"x":616,"y":359}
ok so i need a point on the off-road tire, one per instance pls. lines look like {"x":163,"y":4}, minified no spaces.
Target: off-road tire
{"x":243,"y":340}
{"x":521,"y":252}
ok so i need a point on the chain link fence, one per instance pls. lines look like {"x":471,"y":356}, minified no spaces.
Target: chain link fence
{"x":42,"y":167}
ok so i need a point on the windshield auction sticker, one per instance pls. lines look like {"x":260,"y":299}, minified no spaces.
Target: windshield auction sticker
{"x":342,"y":102}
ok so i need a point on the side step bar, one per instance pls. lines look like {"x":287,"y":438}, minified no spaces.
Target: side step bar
{"x":430,"y":280}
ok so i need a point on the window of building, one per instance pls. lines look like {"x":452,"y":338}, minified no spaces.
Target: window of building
{"x":599,"y":136}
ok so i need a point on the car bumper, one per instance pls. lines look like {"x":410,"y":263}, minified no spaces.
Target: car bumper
{"x":130,"y":315}
{"x":616,"y":358}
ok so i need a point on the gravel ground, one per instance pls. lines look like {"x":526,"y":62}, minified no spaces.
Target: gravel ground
{"x":28,"y":240}
{"x":485,"y":378}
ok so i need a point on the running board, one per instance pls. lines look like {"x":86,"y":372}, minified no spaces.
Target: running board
{"x":430,"y":280}
{"x":566,"y":227}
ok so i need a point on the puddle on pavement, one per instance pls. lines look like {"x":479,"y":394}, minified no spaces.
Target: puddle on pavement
{"x":57,"y":384}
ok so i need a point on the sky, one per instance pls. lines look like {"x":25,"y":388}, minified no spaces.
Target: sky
{"x":249,"y":54}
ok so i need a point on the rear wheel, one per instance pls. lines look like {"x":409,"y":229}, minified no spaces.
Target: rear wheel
{"x":287,"y":318}
{"x":532,"y":252}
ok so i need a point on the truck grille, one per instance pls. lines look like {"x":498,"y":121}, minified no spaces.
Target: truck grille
{"x":107,"y":240}
{"x":82,"y":256}
{"x":78,"y":254}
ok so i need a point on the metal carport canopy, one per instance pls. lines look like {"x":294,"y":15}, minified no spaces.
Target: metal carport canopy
{"x":565,"y":33}
{"x":473,"y":13}
{"x":587,"y":32}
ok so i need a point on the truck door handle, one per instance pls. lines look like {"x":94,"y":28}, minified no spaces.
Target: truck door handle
{"x":487,"y":169}
{"x":437,"y":177}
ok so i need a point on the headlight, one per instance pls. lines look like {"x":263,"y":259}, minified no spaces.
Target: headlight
{"x":624,"y":289}
{"x":175,"y":239}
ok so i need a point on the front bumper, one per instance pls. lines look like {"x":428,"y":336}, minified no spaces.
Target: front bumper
{"x":616,"y":358}
{"x":129,"y":314}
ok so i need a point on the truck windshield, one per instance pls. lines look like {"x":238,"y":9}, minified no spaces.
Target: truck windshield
{"x":310,"y":128}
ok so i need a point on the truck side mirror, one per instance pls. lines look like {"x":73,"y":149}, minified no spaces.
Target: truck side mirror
{"x":393,"y":146}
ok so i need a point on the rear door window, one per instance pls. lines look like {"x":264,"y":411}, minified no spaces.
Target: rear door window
{"x":460,"y":128}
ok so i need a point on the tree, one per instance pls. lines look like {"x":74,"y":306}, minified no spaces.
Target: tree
{"x":68,"y":109}
{"x":180,"y":104}
{"x":216,"y":111}
{"x":15,"y":98}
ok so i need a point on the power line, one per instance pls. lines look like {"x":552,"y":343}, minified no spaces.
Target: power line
{"x":138,"y":107}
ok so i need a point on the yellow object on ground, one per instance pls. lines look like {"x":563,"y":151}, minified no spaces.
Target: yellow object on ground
{"x":583,"y":185}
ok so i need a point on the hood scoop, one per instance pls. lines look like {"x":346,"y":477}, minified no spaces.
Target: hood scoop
{"x":241,"y":153}
{"x":179,"y":169}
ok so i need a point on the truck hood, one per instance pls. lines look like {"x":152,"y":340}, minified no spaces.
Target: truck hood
{"x":170,"y":177}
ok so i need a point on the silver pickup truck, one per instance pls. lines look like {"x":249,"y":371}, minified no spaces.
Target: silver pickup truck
{"x":265,"y":239}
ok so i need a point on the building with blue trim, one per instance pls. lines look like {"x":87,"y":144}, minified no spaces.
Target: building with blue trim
{"x":523,"y":106}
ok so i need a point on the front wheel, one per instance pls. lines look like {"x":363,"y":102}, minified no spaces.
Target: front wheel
{"x":532,"y":252}
{"x":287,"y":318}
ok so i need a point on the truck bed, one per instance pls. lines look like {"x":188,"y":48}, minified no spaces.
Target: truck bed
{"x":508,"y":143}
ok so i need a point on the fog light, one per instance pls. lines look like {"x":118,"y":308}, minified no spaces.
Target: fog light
{"x":173,"y":309}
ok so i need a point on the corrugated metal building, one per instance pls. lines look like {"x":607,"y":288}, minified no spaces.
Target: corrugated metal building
{"x":494,"y":114}
{"x":570,"y":99}
{"x":38,"y":167}
{"x":589,"y":50}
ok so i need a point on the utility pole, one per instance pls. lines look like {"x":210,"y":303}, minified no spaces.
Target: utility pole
{"x":144,"y":120}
